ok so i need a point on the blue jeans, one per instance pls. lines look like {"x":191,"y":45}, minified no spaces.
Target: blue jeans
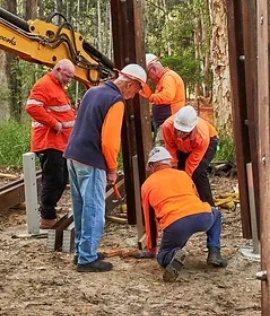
{"x":87,"y":188}
{"x":178,"y":233}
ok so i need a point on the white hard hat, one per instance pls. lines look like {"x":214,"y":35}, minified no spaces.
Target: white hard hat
{"x":185,"y":119}
{"x":150,"y":58}
{"x":136,"y":72}
{"x":157,"y":154}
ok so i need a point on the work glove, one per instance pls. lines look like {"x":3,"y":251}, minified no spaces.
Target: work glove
{"x":144,"y":255}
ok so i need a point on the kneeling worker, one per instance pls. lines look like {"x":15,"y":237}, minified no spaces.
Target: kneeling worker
{"x":169,"y":199}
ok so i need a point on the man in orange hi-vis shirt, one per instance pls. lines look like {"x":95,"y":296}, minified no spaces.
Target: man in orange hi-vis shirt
{"x":169,"y":95}
{"x":52,"y":122}
{"x":169,"y":200}
{"x":192,"y":142}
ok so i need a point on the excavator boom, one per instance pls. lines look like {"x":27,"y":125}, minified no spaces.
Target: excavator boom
{"x":46,"y":43}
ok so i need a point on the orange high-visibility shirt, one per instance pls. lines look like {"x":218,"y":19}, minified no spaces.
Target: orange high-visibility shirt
{"x":171,"y":195}
{"x":170,"y":89}
{"x":195,"y":144}
{"x":48,"y":104}
{"x":111,"y":135}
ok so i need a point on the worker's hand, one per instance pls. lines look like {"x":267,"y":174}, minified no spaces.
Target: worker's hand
{"x":144,"y":255}
{"x":58,"y":127}
{"x":111,"y":177}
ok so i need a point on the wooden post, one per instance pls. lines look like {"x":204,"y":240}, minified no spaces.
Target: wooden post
{"x":241,"y":132}
{"x":263,"y":142}
{"x":128,"y":44}
{"x":251,"y":82}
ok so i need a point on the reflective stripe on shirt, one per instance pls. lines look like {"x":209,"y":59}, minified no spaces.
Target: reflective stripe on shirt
{"x":64,"y":124}
{"x":59,"y":108}
{"x":34,"y":102}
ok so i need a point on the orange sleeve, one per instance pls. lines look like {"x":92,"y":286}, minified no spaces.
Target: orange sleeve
{"x":167,"y":93}
{"x":170,"y":145}
{"x":111,"y":135}
{"x":196,"y":156}
{"x":35,"y":106}
{"x":151,"y":228}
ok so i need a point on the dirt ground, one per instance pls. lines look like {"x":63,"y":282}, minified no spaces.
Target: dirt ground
{"x":37,"y":282}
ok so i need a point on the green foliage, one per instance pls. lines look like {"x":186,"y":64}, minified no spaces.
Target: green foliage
{"x":14,"y":142}
{"x":186,"y":66}
{"x":226,"y":149}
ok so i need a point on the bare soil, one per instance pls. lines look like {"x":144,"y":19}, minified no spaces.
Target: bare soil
{"x":37,"y":282}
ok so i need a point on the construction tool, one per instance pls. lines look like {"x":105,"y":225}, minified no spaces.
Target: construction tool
{"x":227,"y":200}
{"x":120,"y":199}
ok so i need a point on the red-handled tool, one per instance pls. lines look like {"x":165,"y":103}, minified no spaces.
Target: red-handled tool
{"x":116,"y":192}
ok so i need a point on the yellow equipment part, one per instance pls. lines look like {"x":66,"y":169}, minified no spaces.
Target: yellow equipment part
{"x":227,"y":200}
{"x":45,"y":43}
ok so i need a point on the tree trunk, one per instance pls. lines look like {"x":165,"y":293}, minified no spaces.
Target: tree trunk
{"x":197,"y":50}
{"x":13,"y":75}
{"x":30,"y":9}
{"x":220,"y":67}
{"x":4,"y":104}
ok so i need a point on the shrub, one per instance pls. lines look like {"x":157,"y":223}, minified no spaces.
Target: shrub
{"x":14,"y":142}
{"x":226,"y":149}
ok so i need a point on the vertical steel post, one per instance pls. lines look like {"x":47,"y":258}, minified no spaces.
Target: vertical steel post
{"x":30,"y":185}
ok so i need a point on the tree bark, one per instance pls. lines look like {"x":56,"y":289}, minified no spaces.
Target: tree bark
{"x":30,"y":9}
{"x":4,"y":104}
{"x":220,"y":66}
{"x":12,"y":73}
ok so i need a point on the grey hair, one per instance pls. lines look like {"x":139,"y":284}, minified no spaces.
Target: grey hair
{"x":122,"y":77}
{"x":167,"y":162}
{"x":157,"y":64}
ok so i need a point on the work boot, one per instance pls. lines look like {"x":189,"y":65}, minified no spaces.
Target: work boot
{"x":174,"y":267}
{"x":100,"y":255}
{"x":95,"y":266}
{"x":215,"y":259}
{"x":47,"y":223}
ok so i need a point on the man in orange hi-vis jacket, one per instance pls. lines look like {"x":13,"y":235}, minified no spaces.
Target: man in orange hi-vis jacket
{"x":169,"y":95}
{"x":169,"y":200}
{"x":52,"y":122}
{"x":192,"y":142}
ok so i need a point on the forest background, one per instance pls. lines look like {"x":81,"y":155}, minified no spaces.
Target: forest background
{"x":190,"y":35}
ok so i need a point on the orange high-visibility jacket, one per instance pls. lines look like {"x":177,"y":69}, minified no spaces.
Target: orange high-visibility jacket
{"x":48,"y":104}
{"x":168,"y":195}
{"x":196,"y":143}
{"x":170,"y":89}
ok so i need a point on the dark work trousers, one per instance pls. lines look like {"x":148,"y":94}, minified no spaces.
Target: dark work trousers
{"x":176,"y":235}
{"x":54,"y":180}
{"x":199,"y":175}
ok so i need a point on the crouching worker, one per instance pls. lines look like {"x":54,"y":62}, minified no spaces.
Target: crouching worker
{"x":169,"y":199}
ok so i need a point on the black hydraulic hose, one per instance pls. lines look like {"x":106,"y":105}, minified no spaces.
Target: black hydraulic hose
{"x":15,"y":20}
{"x":93,"y":52}
{"x":52,"y":15}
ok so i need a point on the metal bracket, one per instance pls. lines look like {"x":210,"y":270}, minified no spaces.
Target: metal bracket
{"x":261,"y":275}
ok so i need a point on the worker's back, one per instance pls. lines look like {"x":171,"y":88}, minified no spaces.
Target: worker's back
{"x":172,"y":194}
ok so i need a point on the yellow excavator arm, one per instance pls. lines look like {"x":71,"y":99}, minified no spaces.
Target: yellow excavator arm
{"x":46,"y":43}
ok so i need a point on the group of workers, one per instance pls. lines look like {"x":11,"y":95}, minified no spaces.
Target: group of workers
{"x":84,"y":151}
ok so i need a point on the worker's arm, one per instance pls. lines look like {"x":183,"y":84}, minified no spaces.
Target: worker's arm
{"x":170,"y":145}
{"x":111,"y":135}
{"x":166,"y":93}
{"x":196,"y":156}
{"x":35,"y":106}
